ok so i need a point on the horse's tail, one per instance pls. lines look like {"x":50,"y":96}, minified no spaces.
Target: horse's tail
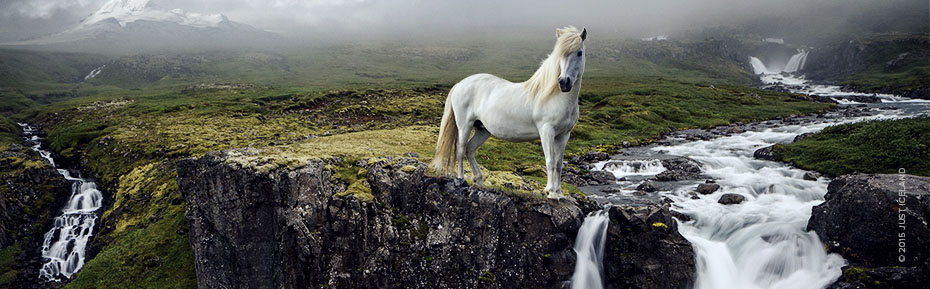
{"x":448,"y":138}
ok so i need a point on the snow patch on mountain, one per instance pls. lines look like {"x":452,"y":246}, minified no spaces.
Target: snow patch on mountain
{"x":127,"y":11}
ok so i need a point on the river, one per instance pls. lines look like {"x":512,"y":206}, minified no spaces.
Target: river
{"x":763,"y":241}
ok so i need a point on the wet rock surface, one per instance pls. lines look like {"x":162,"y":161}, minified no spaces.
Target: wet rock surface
{"x":764,"y":153}
{"x":286,"y":229}
{"x":584,"y":177}
{"x":645,"y":250}
{"x":679,"y":169}
{"x":30,"y":194}
{"x":731,"y":199}
{"x":861,"y":220}
{"x":707,"y":189}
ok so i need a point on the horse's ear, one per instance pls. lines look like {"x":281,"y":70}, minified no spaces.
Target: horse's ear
{"x":558,"y":33}
{"x":584,"y":33}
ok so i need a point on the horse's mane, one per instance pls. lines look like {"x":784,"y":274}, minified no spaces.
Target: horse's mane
{"x":544,"y":83}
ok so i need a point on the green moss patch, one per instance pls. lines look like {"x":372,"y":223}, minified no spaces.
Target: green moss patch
{"x":865,"y":147}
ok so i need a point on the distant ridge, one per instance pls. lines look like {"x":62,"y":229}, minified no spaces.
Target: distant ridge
{"x":134,"y":25}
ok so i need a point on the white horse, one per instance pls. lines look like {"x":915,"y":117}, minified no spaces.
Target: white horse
{"x":544,"y":107}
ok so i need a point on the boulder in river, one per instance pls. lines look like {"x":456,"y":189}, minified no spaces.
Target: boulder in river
{"x":645,"y":250}
{"x":707,"y":189}
{"x":764,"y":153}
{"x":679,"y":169}
{"x":802,"y":136}
{"x":811,"y":176}
{"x":648,"y":187}
{"x":879,"y":223}
{"x":731,"y":199}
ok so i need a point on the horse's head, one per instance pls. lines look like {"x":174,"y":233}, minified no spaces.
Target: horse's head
{"x":571,"y":65}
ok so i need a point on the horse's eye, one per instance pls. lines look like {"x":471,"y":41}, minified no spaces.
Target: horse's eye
{"x":579,"y":53}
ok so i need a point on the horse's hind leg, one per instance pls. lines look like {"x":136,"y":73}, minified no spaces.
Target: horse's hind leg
{"x":464,"y":131}
{"x":476,"y":140}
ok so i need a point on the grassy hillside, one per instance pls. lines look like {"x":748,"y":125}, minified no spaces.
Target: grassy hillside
{"x":869,"y":147}
{"x":131,"y":125}
{"x":896,"y":63}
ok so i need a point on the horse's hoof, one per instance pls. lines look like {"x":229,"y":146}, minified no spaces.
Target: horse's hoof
{"x":556,"y":196}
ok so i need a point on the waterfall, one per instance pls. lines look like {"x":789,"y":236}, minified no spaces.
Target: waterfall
{"x":589,"y":249}
{"x":796,"y":62}
{"x":64,"y":244}
{"x":757,"y":66}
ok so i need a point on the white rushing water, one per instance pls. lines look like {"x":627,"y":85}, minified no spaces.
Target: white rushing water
{"x":589,"y":250}
{"x":624,"y":168}
{"x":94,"y":73}
{"x":64,"y":245}
{"x":762,"y":242}
{"x":794,"y":64}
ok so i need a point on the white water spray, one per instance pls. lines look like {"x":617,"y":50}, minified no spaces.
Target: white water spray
{"x":624,"y":168}
{"x":797,"y":61}
{"x":794,"y":64}
{"x":64,"y":245}
{"x":757,"y":66}
{"x":589,"y":249}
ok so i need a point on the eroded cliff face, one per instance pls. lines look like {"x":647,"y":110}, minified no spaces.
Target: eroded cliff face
{"x":298,"y":228}
{"x":31,"y":194}
{"x":285,"y":229}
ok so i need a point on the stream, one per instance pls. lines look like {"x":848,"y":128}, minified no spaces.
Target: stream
{"x":762,"y":242}
{"x":64,"y":245}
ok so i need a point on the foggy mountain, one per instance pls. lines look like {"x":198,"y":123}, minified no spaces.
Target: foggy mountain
{"x":140,"y":25}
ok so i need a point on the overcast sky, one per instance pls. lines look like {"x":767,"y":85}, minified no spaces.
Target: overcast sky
{"x":31,"y":18}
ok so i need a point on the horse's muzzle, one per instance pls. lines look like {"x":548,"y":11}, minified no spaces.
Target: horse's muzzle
{"x":565,"y":84}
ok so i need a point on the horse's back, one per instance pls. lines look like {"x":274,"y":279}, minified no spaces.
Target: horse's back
{"x":500,"y":105}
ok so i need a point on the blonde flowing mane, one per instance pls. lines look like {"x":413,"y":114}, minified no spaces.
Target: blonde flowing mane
{"x":544,"y":83}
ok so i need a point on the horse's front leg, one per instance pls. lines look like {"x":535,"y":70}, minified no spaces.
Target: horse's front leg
{"x":548,"y":138}
{"x":560,"y":142}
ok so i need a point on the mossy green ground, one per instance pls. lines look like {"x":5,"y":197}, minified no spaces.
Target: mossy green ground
{"x":354,"y":101}
{"x":879,"y":147}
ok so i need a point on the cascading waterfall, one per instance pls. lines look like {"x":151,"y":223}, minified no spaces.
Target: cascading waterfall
{"x":796,"y":62}
{"x":589,"y":249}
{"x":757,"y":66}
{"x":625,"y":168}
{"x":64,"y":245}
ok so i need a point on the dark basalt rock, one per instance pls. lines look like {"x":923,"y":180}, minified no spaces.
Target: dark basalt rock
{"x":731,"y":199}
{"x":288,"y":229}
{"x":811,"y":176}
{"x":802,"y":136}
{"x":589,"y":158}
{"x":860,"y":220}
{"x":645,"y":250}
{"x":679,"y":169}
{"x":647,"y":186}
{"x":581,"y":177}
{"x":707,"y":189}
{"x":764,"y":153}
{"x":27,"y":194}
